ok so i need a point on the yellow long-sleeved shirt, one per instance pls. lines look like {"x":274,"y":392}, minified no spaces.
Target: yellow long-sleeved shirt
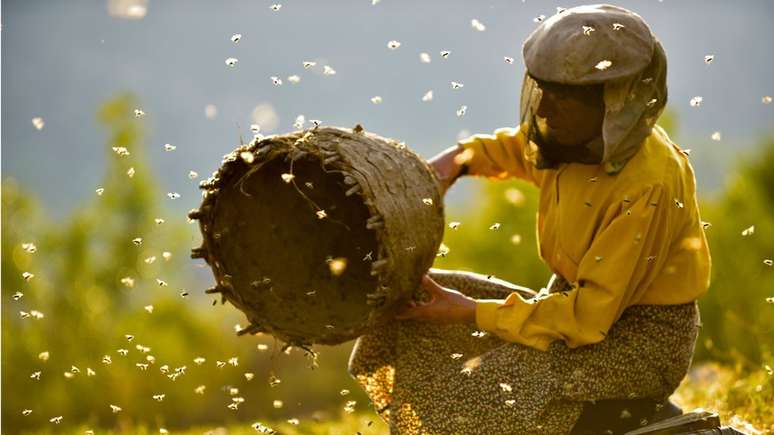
{"x":627,"y":239}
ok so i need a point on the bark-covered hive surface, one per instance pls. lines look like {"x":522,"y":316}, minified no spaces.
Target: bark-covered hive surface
{"x":319,"y":235}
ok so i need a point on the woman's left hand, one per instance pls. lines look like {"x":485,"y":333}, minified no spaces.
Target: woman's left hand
{"x":445,"y":305}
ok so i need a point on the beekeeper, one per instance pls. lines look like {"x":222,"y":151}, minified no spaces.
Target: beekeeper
{"x":613,"y":334}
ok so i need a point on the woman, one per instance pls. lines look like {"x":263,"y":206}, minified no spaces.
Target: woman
{"x":605,"y":344}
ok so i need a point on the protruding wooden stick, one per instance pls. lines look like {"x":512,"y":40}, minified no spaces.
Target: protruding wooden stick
{"x":253,"y":328}
{"x":200,"y":252}
{"x":374,"y":222}
{"x":376,"y":266}
{"x":331,"y":159}
{"x":349,"y":181}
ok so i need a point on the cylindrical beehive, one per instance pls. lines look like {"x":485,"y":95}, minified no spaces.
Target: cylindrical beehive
{"x":319,"y":235}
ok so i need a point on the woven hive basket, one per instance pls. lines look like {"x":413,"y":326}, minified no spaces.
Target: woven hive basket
{"x":319,"y":235}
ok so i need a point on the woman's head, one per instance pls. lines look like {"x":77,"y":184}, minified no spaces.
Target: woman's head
{"x":594,"y":87}
{"x":573,"y":113}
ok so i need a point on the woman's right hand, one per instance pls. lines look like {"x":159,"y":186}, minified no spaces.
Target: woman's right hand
{"x":446,"y":167}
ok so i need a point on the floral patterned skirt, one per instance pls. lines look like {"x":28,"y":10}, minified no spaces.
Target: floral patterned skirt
{"x":450,"y":379}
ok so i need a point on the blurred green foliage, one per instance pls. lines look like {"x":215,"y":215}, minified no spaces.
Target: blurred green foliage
{"x":738,"y":321}
{"x":82,"y":267}
{"x":79,"y":285}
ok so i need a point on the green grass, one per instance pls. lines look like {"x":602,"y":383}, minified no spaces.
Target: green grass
{"x":743,"y":400}
{"x":349,"y":424}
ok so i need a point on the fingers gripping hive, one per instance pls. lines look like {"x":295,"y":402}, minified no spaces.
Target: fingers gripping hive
{"x":319,"y":235}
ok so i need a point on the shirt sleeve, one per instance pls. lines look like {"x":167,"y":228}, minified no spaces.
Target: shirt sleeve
{"x":498,"y":156}
{"x":620,"y":264}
